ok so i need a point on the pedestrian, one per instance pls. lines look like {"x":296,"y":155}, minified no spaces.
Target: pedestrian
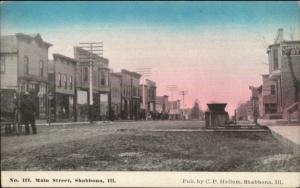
{"x":28,"y":113}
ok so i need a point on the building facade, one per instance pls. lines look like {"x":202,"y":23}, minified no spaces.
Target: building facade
{"x":99,"y":105}
{"x":115,"y":95}
{"x":148,"y":98}
{"x":62,"y":78}
{"x":24,"y":68}
{"x":130,"y":96}
{"x":175,"y":112}
{"x":284,"y":72}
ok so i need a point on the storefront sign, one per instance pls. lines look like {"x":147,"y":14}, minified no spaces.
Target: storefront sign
{"x":293,"y":48}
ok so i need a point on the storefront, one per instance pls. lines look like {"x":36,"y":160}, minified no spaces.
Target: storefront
{"x":82,"y":105}
{"x":38,"y":91}
{"x":64,"y":107}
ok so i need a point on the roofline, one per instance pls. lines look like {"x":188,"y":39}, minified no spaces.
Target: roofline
{"x":64,"y":57}
{"x":37,"y":35}
{"x":135,"y":74}
{"x":116,"y":74}
{"x":284,"y":41}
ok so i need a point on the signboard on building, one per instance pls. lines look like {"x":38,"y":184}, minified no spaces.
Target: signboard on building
{"x":293,"y":48}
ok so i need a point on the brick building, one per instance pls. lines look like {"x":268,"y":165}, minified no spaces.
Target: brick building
{"x":148,"y":97}
{"x":175,"y":112}
{"x":130,"y":97}
{"x":162,"y":104}
{"x":62,"y":77}
{"x":115,"y":94}
{"x":24,"y":68}
{"x":100,"y":83}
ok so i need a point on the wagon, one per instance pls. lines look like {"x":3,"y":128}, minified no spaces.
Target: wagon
{"x":9,"y":112}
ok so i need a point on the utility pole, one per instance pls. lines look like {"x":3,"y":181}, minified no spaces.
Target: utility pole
{"x":89,"y":54}
{"x":183,"y":93}
{"x":145,"y":72}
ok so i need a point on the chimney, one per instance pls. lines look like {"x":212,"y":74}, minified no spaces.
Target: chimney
{"x":279,"y":36}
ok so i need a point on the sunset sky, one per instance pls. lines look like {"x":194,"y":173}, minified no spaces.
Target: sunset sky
{"x":214,"y":50}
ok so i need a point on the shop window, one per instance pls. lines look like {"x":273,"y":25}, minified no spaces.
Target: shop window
{"x":26,"y":65}
{"x":2,"y":67}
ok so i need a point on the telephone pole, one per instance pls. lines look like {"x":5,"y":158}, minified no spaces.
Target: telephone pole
{"x":183,"y":93}
{"x":145,"y":72}
{"x":89,"y":54}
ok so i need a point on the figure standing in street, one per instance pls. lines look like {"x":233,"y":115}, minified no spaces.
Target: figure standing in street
{"x":28,"y":113}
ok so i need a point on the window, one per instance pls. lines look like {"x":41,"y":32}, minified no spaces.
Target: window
{"x":26,"y":65}
{"x":31,"y":87}
{"x":85,"y":73}
{"x":2,"y":67}
{"x":102,"y":78}
{"x":41,"y":68}
{"x":71,"y":82}
{"x":59,"y":80}
{"x":64,"y":78}
{"x":273,"y":91}
{"x":275,"y":58}
{"x":270,"y":108}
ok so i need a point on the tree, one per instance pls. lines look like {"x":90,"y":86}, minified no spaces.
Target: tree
{"x":195,"y":114}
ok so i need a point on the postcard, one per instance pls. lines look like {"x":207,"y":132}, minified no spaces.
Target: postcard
{"x":150,"y":94}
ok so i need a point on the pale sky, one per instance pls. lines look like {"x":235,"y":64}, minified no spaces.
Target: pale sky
{"x":214,"y":50}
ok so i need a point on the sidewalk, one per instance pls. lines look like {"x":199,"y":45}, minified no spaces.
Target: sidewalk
{"x":287,"y":133}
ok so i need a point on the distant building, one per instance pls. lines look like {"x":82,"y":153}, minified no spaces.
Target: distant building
{"x":148,"y":97}
{"x":115,"y":91}
{"x":244,"y":111}
{"x":130,"y":98}
{"x":62,"y":77}
{"x":281,"y":73}
{"x":187,"y":113}
{"x":175,"y":111}
{"x":24,"y":67}
{"x":162,"y":104}
{"x":101,"y":89}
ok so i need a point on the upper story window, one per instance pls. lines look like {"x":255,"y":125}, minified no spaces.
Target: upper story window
{"x":273,"y":90}
{"x":65,"y":82}
{"x":275,"y":59}
{"x":59,"y":79}
{"x":102,"y":78}
{"x":85,"y":73}
{"x":2,"y":67}
{"x":41,"y":68}
{"x":71,"y":82}
{"x":26,"y":65}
